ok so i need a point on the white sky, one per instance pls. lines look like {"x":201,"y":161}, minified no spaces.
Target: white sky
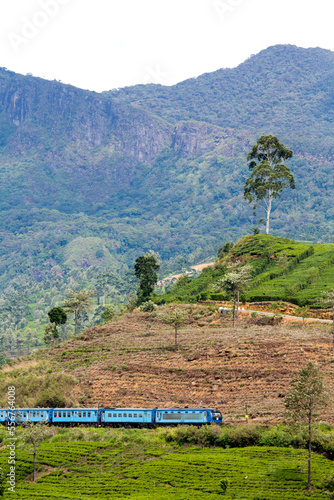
{"x":104,"y":44}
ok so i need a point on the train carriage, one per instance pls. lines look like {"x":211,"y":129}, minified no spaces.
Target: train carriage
{"x":72,"y":416}
{"x":197,"y":416}
{"x":135,"y":417}
{"x":20,"y":415}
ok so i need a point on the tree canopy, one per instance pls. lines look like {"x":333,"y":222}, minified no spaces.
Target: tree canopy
{"x":57,"y":315}
{"x":78,"y":302}
{"x":269,"y":176}
{"x":175,"y":318}
{"x":145,"y":270}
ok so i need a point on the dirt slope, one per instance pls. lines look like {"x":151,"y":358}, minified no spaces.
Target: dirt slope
{"x":126,"y":363}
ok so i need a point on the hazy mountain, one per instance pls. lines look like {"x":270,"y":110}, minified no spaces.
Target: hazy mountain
{"x":152,"y":167}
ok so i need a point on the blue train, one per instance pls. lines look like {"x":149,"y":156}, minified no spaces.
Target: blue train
{"x":112,"y":417}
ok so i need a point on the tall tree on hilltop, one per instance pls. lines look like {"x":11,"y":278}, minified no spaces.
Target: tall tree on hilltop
{"x":269,"y":176}
{"x":145,"y":270}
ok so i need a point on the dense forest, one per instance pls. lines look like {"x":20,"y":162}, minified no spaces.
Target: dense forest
{"x":91,"y":181}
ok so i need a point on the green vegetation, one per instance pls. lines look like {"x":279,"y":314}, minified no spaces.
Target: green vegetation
{"x":36,"y":385}
{"x":145,"y":270}
{"x":176,"y":318}
{"x":123,"y":463}
{"x":270,"y":176}
{"x":164,"y":170}
{"x":282,"y":270}
{"x":307,"y":395}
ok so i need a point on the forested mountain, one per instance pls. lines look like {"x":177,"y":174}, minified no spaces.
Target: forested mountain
{"x":90,"y":181}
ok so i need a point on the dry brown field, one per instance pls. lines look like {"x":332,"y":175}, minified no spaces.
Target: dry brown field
{"x":245,"y":370}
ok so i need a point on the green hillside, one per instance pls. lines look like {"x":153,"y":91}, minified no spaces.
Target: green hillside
{"x":138,"y":464}
{"x":90,"y":181}
{"x":282,"y":270}
{"x":161,"y":168}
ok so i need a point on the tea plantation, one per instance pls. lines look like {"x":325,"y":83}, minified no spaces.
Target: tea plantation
{"x":282,"y":270}
{"x":142,"y":466}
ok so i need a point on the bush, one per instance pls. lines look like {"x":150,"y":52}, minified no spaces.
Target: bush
{"x":47,"y":400}
{"x":108,"y":314}
{"x":223,"y":486}
{"x":148,"y":306}
{"x":328,"y":484}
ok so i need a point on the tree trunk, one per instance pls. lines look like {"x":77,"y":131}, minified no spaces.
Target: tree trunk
{"x":309,"y":450}
{"x":268,"y":212}
{"x":34,"y":472}
{"x":175,"y":338}
{"x":75,"y":322}
{"x":237,"y":315}
{"x":333,"y":328}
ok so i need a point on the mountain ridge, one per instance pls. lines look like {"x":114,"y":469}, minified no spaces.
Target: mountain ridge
{"x":150,"y":175}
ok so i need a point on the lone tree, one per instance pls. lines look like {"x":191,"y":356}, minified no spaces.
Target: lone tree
{"x":77,"y":303}
{"x":269,"y":176}
{"x":175,"y":318}
{"x":234,"y":282}
{"x":33,"y":434}
{"x":145,"y":270}
{"x":306,"y":396}
{"x":328,"y":300}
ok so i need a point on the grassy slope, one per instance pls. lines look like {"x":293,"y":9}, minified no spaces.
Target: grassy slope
{"x":309,"y":272}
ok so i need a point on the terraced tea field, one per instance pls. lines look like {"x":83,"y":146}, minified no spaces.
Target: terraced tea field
{"x":100,"y":471}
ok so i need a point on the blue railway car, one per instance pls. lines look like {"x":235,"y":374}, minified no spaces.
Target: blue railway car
{"x":168,"y":416}
{"x":71,"y":416}
{"x":3,"y":415}
{"x":135,"y":417}
{"x":20,"y":415}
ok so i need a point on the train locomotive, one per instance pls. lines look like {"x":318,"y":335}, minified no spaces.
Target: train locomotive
{"x":112,"y":417}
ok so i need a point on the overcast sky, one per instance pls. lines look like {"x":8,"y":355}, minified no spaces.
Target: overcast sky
{"x":105,"y":44}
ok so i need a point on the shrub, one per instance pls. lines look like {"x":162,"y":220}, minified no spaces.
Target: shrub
{"x":148,"y":306}
{"x":328,"y":484}
{"x":47,"y":400}
{"x":223,"y":486}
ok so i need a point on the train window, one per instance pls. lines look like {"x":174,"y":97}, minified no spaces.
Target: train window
{"x":114,"y":415}
{"x":79,"y":414}
{"x":135,"y":415}
{"x":33,"y":413}
{"x":119,"y":415}
{"x":130,"y":415}
{"x":64,"y":414}
{"x":140,"y":415}
{"x":109,"y":415}
{"x":84,"y":414}
{"x":68,"y":414}
{"x":88,"y":414}
{"x":125,"y":415}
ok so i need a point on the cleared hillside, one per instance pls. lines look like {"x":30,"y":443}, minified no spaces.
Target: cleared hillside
{"x":132,"y":362}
